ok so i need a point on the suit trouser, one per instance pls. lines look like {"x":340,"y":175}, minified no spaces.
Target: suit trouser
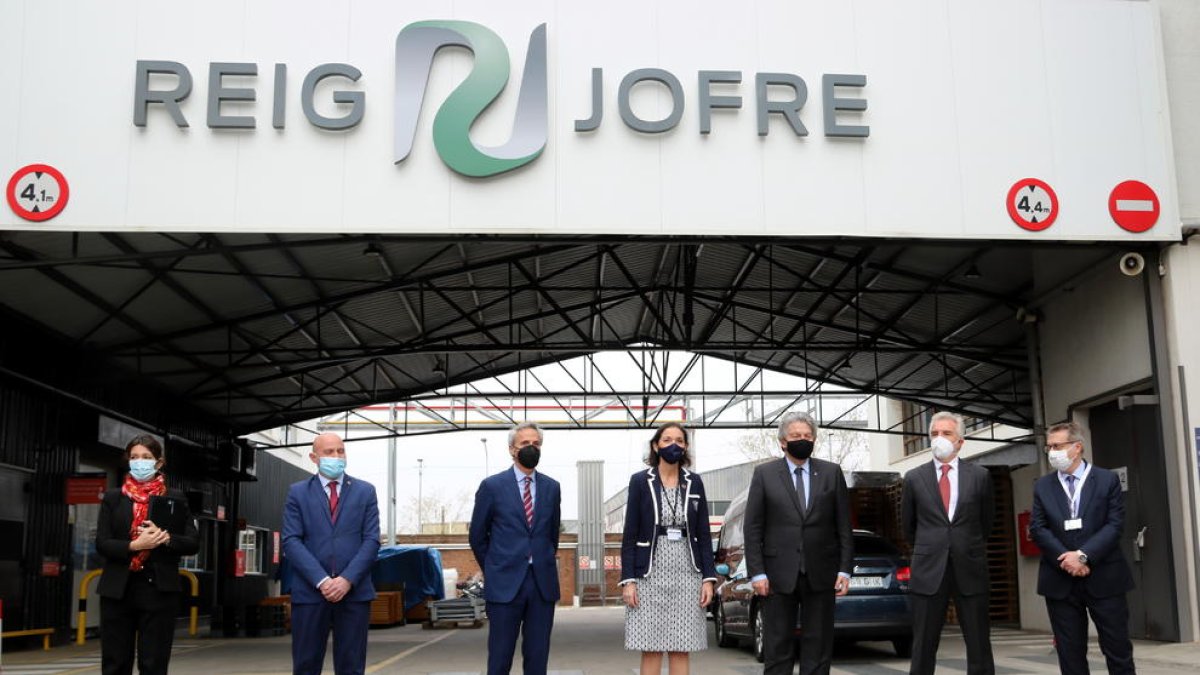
{"x":929,"y":617}
{"x":311,"y":625}
{"x":779,"y":630}
{"x":1068,"y":620}
{"x":142,"y":620}
{"x":529,"y":616}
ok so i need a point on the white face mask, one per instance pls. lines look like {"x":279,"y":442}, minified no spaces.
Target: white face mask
{"x":942,"y":448}
{"x":1059,"y":459}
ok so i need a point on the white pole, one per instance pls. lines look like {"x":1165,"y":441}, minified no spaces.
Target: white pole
{"x":391,"y":483}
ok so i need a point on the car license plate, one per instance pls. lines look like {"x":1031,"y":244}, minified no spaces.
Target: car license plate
{"x":866,"y":582}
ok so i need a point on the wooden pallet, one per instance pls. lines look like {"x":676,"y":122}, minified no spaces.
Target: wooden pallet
{"x":451,"y":623}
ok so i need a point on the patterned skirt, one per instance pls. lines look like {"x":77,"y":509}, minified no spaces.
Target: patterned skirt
{"x":669,"y":617}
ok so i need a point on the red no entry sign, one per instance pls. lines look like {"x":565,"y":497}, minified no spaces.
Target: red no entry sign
{"x":1032,"y":204}
{"x":1133,"y":206}
{"x":37,"y":192}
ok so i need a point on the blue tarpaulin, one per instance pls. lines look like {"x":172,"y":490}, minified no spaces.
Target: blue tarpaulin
{"x":419,"y":568}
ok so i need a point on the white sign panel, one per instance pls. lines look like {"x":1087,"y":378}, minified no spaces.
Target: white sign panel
{"x":898,"y":118}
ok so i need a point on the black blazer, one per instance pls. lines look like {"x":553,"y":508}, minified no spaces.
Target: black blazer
{"x":774,"y":525}
{"x":935,"y":540}
{"x":641,"y":524}
{"x":1102,"y":509}
{"x":112,"y":541}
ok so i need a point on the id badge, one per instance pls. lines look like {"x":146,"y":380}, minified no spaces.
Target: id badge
{"x":674,"y":533}
{"x":1073,"y":524}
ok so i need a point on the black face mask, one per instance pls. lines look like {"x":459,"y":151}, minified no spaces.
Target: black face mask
{"x":671,"y":454}
{"x":801,"y":449}
{"x":528,"y":456}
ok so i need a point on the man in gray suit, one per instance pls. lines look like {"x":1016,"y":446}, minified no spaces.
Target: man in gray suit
{"x":947,"y":512}
{"x":799,"y":548}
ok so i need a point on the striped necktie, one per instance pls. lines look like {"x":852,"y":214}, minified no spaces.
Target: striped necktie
{"x":528,"y":498}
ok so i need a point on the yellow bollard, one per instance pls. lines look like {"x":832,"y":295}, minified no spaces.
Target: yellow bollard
{"x":81,"y":630}
{"x":194,"y":613}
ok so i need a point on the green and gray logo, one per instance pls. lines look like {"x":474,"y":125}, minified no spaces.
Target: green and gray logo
{"x":416,"y":47}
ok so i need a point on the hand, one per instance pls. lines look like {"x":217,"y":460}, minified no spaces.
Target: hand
{"x":1069,"y":563}
{"x":706,"y":593}
{"x":335,"y":589}
{"x":149,"y":537}
{"x":629,"y":594}
{"x":762,"y":588}
{"x":842,"y":585}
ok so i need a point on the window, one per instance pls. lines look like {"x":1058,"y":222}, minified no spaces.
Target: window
{"x":200,"y":562}
{"x":916,"y":426}
{"x":252,"y":541}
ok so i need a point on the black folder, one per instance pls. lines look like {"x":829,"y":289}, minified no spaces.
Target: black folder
{"x":169,"y":514}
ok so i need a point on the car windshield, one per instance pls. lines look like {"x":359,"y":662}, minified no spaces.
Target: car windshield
{"x":869,"y":544}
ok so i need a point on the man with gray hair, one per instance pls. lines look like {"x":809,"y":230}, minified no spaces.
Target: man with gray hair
{"x":947,"y":512}
{"x":514,"y":536}
{"x":799,"y":548}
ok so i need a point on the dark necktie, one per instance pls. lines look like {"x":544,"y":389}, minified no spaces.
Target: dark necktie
{"x":333,"y":499}
{"x":800,"y":494}
{"x":944,"y":488}
{"x":1071,"y":492}
{"x":528,"y":498}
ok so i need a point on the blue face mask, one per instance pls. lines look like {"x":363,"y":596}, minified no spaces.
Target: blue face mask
{"x":671,"y":454}
{"x":331,"y":467}
{"x":142,"y":470}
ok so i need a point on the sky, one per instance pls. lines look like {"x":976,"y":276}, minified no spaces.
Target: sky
{"x":452,"y":464}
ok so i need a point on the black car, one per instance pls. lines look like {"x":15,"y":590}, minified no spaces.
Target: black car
{"x":877,"y":607}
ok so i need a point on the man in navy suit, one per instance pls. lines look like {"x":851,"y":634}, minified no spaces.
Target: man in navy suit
{"x":514,"y":536}
{"x":331,"y":539}
{"x":1077,"y":521}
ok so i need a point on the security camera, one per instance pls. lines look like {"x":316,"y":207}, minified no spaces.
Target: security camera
{"x":1132,"y":264}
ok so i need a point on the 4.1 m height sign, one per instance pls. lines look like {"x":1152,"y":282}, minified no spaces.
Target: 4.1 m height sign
{"x":37,"y":192}
{"x":1032,"y":204}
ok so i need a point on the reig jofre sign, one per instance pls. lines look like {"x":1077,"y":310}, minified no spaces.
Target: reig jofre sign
{"x":168,"y":85}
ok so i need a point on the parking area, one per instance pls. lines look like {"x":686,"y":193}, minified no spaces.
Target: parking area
{"x":587,"y":641}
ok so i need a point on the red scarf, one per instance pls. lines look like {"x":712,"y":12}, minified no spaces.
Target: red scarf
{"x":139,"y":494}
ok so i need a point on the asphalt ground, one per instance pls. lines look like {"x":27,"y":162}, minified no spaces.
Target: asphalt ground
{"x":586,"y":641}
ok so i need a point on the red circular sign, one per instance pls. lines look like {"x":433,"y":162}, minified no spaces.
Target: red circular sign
{"x":1032,"y":204}
{"x":1133,"y":206}
{"x":37,"y":192}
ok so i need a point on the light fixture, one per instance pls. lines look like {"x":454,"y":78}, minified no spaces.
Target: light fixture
{"x":972,"y":272}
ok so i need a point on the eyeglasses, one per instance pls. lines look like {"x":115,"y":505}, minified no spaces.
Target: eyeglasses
{"x":1060,"y":446}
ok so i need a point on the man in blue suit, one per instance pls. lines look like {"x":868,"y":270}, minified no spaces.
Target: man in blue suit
{"x":1077,"y":521}
{"x":331,"y":538}
{"x":514,"y":536}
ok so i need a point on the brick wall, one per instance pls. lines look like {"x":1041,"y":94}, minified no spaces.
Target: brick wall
{"x":456,"y":554}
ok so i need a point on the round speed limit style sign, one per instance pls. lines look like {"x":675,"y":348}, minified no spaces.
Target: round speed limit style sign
{"x":37,"y":192}
{"x":1032,"y":204}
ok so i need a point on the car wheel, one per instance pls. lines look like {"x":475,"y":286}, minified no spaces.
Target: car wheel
{"x":724,"y":639}
{"x":903,"y":647}
{"x":757,"y":632}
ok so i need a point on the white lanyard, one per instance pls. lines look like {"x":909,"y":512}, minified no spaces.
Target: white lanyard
{"x":1074,"y":501}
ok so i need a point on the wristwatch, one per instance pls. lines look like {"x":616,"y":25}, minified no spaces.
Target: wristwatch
{"x":1082,"y":557}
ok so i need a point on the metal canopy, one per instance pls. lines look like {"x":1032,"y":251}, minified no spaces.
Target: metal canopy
{"x":262,"y":330}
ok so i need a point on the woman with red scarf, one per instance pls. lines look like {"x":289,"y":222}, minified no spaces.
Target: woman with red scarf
{"x":140,"y":588}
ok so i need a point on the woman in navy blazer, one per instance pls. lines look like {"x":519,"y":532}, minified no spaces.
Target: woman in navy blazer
{"x":667,"y":569}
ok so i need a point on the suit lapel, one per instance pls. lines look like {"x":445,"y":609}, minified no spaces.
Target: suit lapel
{"x":966,"y":489}
{"x":1088,"y":489}
{"x":789,"y":484}
{"x":652,"y":484}
{"x":320,"y":499}
{"x":540,"y":510}
{"x":1058,"y":498}
{"x":815,"y":488}
{"x":935,"y":495}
